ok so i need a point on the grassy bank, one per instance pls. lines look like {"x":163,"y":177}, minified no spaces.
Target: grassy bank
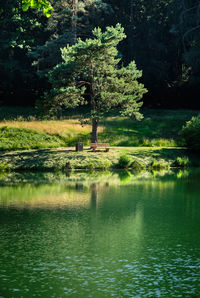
{"x":67,"y":159}
{"x":159,"y":128}
{"x":152,"y":143}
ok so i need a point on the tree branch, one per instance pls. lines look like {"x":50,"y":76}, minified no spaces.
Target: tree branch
{"x":82,"y":83}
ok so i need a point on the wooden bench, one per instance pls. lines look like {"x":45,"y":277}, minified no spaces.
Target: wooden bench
{"x":94,"y":146}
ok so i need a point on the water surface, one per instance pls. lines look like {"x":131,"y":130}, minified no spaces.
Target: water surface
{"x":108,"y":235}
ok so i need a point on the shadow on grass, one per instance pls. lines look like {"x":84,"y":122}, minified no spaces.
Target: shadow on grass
{"x":35,"y":159}
{"x":168,"y":154}
{"x":51,"y":159}
{"x":147,"y":132}
{"x":81,"y":137}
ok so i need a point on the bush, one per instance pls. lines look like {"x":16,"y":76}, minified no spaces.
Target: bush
{"x":137,"y":165}
{"x":3,"y":167}
{"x":191,"y":133}
{"x":158,"y":164}
{"x":124,"y":161}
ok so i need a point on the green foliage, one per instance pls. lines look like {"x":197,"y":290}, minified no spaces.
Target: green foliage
{"x":182,"y":162}
{"x":69,"y":20}
{"x":162,"y":37}
{"x":3,"y":167}
{"x":125,"y":176}
{"x":137,"y":165}
{"x":117,"y":131}
{"x":158,"y":164}
{"x":91,"y":67}
{"x":42,"y":5}
{"x":124,"y":161}
{"x":158,"y":128}
{"x":191,"y":133}
{"x":65,"y":159}
{"x":19,"y":138}
{"x":98,"y":164}
{"x":20,"y":33}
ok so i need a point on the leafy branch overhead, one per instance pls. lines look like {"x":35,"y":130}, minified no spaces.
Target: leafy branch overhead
{"x":91,"y":74}
{"x":42,"y":5}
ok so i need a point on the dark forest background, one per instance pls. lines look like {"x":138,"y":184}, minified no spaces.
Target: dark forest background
{"x":163,"y":37}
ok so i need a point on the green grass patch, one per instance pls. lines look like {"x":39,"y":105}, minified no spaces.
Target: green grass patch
{"x":159,"y":128}
{"x":12,"y":138}
{"x":155,"y":130}
{"x":65,"y":159}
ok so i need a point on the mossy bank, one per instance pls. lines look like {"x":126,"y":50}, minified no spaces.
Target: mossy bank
{"x":66,"y":159}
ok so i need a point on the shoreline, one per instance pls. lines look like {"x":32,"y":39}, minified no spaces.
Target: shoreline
{"x":67,"y":159}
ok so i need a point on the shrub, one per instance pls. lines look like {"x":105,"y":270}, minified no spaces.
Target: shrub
{"x":137,"y":165}
{"x":158,"y":164}
{"x":3,"y":167}
{"x":124,"y":161}
{"x":96,"y":164}
{"x":181,"y":162}
{"x":191,"y":133}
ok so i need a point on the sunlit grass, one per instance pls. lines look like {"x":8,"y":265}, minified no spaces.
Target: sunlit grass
{"x":52,"y":126}
{"x":159,"y":128}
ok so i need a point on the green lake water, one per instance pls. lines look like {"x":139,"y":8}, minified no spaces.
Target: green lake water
{"x":100,"y":235}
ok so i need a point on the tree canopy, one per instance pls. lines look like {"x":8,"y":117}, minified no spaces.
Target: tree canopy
{"x":162,"y":37}
{"x":42,"y":5}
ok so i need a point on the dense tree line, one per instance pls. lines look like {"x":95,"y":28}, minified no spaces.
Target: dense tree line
{"x":163,"y":37}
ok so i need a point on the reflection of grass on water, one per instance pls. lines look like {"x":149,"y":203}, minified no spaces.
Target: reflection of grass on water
{"x":43,"y":196}
{"x":57,"y":190}
{"x":85,"y":178}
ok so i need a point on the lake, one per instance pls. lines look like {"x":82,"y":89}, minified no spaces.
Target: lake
{"x":100,"y":234}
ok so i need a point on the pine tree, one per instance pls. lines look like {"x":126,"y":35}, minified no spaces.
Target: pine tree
{"x":92,"y":67}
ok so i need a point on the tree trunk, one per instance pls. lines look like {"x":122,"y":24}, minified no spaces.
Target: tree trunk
{"x":74,"y":20}
{"x":94,"y":137}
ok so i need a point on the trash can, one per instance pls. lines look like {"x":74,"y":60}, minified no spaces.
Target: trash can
{"x":79,"y":146}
